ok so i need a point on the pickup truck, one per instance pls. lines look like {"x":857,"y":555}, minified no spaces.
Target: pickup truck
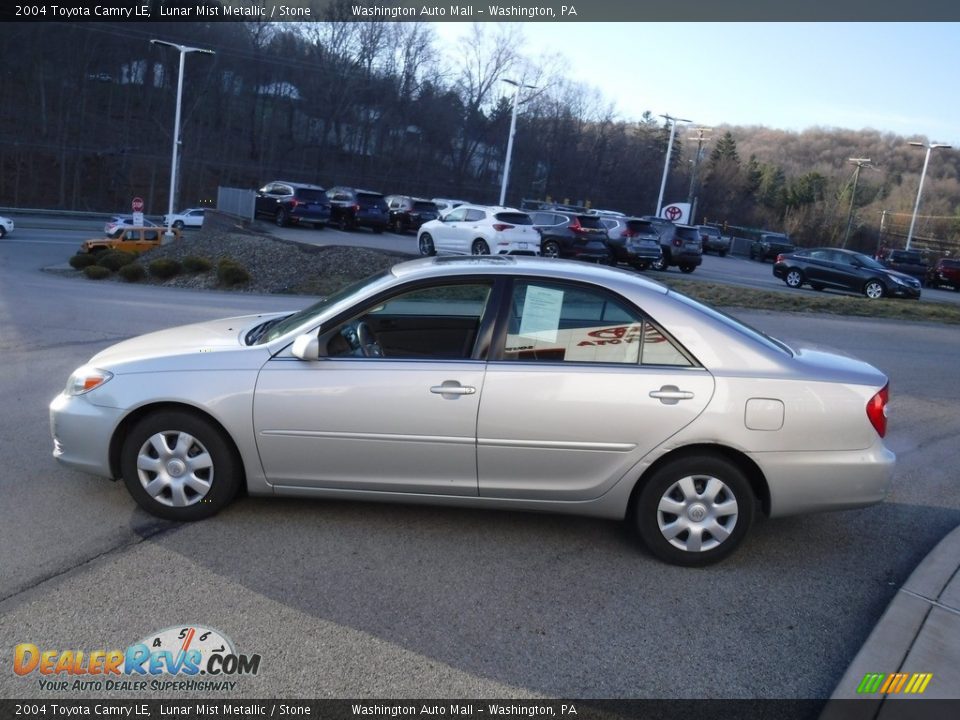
{"x":909,"y":262}
{"x":132,"y":239}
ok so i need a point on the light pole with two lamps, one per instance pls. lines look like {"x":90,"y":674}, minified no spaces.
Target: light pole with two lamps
{"x":183,"y":49}
{"x":513,"y":129}
{"x":923,"y":174}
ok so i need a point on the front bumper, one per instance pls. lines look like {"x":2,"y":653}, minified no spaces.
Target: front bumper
{"x":81,"y":434}
{"x":904,"y":291}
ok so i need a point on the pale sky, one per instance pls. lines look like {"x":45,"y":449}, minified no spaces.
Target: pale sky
{"x":897,"y":77}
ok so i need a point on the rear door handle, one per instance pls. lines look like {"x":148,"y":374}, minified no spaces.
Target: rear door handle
{"x":451,"y":389}
{"x":671,"y":394}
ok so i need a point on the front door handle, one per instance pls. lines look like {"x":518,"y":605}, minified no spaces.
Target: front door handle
{"x":451,"y":389}
{"x":671,"y":394}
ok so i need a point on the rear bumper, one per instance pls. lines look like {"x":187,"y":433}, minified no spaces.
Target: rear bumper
{"x":802,"y":482}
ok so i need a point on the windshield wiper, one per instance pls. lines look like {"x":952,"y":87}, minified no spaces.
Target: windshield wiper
{"x":260,"y":330}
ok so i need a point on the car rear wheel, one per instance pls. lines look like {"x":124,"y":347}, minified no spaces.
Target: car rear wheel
{"x":695,"y":510}
{"x":550,"y":249}
{"x":426,"y":245}
{"x":480,"y":247}
{"x":794,"y":279}
{"x":179,"y":466}
{"x":178,"y":224}
{"x":281,"y":217}
{"x":873,"y":289}
{"x":687,"y":268}
{"x":660,"y":263}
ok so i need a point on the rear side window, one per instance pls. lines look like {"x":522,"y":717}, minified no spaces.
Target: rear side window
{"x":369,"y":198}
{"x":425,"y":206}
{"x":710,"y":231}
{"x":514,"y":218}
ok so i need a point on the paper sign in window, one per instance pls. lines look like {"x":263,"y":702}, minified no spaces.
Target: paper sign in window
{"x":541,"y":313}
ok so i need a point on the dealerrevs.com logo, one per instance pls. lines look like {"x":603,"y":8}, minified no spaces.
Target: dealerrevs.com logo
{"x":172,"y":659}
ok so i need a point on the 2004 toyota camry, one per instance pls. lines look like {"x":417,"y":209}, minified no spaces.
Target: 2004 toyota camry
{"x":497,"y":382}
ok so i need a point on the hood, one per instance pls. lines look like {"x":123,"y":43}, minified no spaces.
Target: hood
{"x":203,"y":337}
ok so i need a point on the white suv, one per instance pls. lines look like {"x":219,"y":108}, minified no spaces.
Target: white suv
{"x":478,"y":230}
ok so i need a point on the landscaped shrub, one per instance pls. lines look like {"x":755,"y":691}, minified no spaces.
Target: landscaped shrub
{"x":132,"y":272}
{"x":194,"y":264}
{"x":115,"y":259}
{"x":96,"y":272}
{"x":164,"y":268}
{"x":79,"y":262}
{"x":230,"y":272}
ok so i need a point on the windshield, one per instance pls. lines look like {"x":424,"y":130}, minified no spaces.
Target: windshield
{"x":299,"y":318}
{"x":869,"y":262}
{"x":735,"y":324}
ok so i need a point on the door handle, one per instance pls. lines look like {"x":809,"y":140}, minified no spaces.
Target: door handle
{"x":451,"y":389}
{"x":671,"y":394}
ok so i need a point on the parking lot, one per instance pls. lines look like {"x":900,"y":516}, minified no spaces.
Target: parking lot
{"x":371,"y":600}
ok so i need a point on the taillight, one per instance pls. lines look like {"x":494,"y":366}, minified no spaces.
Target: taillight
{"x":500,"y":227}
{"x":780,"y":258}
{"x":356,"y":208}
{"x":877,"y":410}
{"x":677,"y":242}
{"x":628,"y":233}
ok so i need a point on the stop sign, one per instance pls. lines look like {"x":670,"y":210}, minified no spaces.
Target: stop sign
{"x":137,"y":204}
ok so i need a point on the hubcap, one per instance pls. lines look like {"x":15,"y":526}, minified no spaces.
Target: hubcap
{"x":697,"y":513}
{"x":175,"y":468}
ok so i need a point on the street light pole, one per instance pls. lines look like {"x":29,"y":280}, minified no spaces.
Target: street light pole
{"x":923,"y":174}
{"x":513,"y":130}
{"x":183,"y":49}
{"x":860,"y":163}
{"x":666,"y":164}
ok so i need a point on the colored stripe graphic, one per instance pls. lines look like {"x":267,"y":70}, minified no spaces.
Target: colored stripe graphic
{"x":907,"y":683}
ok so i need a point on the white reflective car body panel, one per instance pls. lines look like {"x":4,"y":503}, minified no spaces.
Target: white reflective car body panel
{"x":579,"y":429}
{"x":369,"y":424}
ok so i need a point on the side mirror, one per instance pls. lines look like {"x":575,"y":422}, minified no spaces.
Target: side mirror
{"x":306,"y":347}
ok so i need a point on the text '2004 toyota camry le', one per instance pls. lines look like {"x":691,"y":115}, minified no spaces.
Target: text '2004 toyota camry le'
{"x":498,"y":382}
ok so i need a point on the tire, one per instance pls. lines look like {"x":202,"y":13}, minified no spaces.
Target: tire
{"x":639,"y":267}
{"x":171,"y":441}
{"x":397,"y":226}
{"x":874,"y":289}
{"x":425,"y":243}
{"x":687,"y":268}
{"x":178,"y":225}
{"x":704,"y":529}
{"x":378,"y":229}
{"x":752,"y":255}
{"x":550,"y":249}
{"x":660,"y":263}
{"x":3,"y":232}
{"x":281,"y":218}
{"x":480,"y":247}
{"x":794,"y":279}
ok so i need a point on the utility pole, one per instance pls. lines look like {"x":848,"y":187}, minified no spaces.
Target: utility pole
{"x":691,"y":198}
{"x":666,"y":163}
{"x":860,"y":163}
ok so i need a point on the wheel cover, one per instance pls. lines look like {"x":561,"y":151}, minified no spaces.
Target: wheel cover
{"x":697,"y":513}
{"x":426,"y":244}
{"x":793,"y":278}
{"x":480,"y":247}
{"x":175,"y":468}
{"x":873,"y":290}
{"x":551,"y":250}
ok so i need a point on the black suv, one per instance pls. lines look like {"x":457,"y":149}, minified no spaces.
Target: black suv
{"x":572,"y":235}
{"x":290,"y":202}
{"x":769,"y":245}
{"x":680,"y":245}
{"x":409,"y":213}
{"x":351,"y":208}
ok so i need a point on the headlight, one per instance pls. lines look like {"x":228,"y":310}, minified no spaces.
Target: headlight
{"x":86,"y":379}
{"x":898,"y":281}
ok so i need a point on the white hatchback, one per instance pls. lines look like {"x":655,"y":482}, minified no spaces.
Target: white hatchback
{"x":479,"y":230}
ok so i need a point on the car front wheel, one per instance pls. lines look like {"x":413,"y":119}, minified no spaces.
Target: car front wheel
{"x":281,"y":217}
{"x":660,"y":263}
{"x":178,"y":224}
{"x":695,"y":510}
{"x":873,"y":289}
{"x":794,"y":279}
{"x":179,"y":466}
{"x":687,"y":268}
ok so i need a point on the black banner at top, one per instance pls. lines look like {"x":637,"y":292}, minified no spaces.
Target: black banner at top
{"x":467,"y":11}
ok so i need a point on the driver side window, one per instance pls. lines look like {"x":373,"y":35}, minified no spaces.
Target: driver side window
{"x":436,"y":322}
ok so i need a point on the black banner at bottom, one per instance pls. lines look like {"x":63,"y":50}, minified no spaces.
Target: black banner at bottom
{"x":866,"y":709}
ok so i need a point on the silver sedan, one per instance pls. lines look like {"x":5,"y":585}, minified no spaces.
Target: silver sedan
{"x":497,"y":382}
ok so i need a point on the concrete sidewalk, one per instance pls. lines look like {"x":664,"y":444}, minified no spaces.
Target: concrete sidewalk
{"x":918,"y":634}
